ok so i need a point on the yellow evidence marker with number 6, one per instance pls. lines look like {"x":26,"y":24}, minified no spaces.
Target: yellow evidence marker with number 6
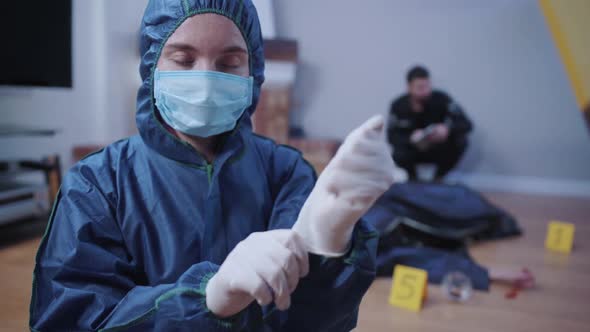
{"x":409,"y":288}
{"x":560,"y":236}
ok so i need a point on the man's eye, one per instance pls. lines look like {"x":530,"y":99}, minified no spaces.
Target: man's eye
{"x":182,"y":59}
{"x":232,"y":62}
{"x":183,"y":62}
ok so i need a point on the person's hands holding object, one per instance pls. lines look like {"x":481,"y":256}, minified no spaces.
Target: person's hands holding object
{"x":439,"y":134}
{"x":265,"y":267}
{"x":360,"y":172}
{"x":417,"y":136}
{"x":420,"y":138}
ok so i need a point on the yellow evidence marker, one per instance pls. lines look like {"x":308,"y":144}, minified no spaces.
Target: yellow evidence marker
{"x":560,"y":236}
{"x":409,"y":288}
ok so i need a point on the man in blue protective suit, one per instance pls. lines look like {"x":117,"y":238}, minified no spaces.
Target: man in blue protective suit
{"x":197,"y":224}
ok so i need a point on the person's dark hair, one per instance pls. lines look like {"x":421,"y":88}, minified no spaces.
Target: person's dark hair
{"x":417,"y":72}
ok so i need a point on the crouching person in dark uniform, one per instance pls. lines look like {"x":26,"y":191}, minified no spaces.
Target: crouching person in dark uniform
{"x":426,"y":127}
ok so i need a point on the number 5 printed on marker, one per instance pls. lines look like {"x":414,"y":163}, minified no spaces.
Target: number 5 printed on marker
{"x":408,"y":282}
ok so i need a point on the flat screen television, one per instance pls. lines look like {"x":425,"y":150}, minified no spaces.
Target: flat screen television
{"x":36,"y":43}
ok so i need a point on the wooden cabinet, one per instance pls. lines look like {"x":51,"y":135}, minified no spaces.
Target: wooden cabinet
{"x":271,"y":118}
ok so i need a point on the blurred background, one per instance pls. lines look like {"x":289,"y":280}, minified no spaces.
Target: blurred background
{"x":498,"y":59}
{"x":520,"y":69}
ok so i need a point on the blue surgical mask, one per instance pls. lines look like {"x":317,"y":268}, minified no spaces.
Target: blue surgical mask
{"x":201,"y":103}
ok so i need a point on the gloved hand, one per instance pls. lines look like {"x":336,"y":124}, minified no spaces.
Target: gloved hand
{"x":360,"y":172}
{"x":265,"y":267}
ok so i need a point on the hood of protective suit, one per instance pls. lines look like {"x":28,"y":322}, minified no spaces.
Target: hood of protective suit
{"x":160,"y":20}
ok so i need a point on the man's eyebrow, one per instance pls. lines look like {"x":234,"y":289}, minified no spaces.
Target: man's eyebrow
{"x":179,"y":46}
{"x":234,"y":49}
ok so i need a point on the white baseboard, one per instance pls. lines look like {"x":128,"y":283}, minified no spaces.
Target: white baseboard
{"x":523,"y":184}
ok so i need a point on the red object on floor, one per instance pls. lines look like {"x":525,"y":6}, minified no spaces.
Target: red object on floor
{"x":513,"y":293}
{"x":521,"y":284}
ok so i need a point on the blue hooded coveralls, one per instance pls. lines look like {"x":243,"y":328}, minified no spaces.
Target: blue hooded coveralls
{"x":139,"y":227}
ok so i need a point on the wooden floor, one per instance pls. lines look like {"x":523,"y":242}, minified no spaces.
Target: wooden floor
{"x":561,"y":302}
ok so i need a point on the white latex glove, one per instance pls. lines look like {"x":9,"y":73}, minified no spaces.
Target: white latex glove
{"x":360,"y":172}
{"x":265,"y":267}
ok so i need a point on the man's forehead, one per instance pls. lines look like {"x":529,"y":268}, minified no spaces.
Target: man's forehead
{"x":420,"y":81}
{"x":189,"y":47}
{"x":207,"y":31}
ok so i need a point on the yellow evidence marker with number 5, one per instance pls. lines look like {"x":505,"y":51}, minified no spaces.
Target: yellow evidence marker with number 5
{"x":560,"y":236}
{"x":409,"y":288}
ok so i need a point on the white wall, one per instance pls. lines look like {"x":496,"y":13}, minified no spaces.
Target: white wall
{"x":495,"y":57}
{"x":122,"y":61}
{"x":100,"y":107}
